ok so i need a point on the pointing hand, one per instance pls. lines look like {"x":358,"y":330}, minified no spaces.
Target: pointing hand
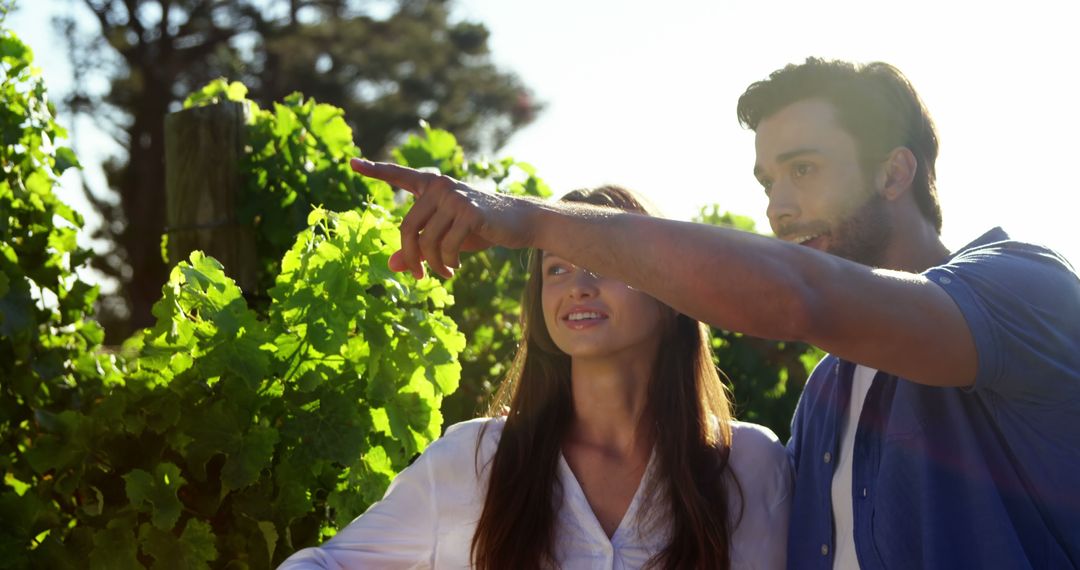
{"x":447,"y":218}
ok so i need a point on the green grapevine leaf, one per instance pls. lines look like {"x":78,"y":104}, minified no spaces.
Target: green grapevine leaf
{"x":193,"y":550}
{"x":115,"y":548}
{"x":159,"y":490}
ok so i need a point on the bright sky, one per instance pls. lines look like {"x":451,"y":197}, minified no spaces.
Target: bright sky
{"x":645,"y":96}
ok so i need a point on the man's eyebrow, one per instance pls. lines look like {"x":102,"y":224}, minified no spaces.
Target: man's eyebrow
{"x":786,"y":156}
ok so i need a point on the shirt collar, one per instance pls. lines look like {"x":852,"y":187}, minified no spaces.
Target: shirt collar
{"x":994,"y":235}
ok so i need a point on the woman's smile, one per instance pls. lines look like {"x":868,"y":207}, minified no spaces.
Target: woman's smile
{"x":580,"y":318}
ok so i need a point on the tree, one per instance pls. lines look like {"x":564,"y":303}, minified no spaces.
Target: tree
{"x":387,"y":72}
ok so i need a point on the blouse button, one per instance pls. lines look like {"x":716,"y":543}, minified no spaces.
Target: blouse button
{"x":824,"y":549}
{"x":827,"y":457}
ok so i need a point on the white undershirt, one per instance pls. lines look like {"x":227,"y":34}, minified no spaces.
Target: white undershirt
{"x":843,"y":511}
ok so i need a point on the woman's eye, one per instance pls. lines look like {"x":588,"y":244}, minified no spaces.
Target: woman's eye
{"x":556,"y":270}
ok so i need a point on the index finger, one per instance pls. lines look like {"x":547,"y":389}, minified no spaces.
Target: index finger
{"x":403,"y":177}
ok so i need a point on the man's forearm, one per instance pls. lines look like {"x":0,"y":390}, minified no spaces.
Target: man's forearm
{"x":734,"y":280}
{"x":769,"y":288}
{"x":728,"y":278}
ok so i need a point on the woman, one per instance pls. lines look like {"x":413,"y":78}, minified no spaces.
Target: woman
{"x":609,"y":445}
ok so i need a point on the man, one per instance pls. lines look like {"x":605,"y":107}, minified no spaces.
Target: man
{"x":943,"y":430}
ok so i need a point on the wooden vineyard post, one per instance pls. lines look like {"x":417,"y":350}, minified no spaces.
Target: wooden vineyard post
{"x":203,"y":150}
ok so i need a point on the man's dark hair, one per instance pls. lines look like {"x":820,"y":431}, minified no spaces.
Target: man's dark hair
{"x":874,"y":103}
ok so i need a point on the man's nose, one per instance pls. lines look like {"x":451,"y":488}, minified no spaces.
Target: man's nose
{"x":783,"y":205}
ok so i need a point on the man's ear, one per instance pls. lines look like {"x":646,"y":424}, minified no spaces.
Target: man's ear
{"x":896,"y":174}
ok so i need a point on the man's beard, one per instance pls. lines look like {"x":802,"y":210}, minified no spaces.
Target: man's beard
{"x":864,"y":235}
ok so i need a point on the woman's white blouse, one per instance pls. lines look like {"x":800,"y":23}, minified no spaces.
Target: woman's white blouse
{"x":428,"y":516}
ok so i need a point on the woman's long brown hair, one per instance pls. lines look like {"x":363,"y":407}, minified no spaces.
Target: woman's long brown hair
{"x":693,"y":436}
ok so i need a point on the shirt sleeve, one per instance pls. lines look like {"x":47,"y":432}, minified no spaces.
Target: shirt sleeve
{"x":763,"y":472}
{"x":397,"y":532}
{"x":1022,"y":305}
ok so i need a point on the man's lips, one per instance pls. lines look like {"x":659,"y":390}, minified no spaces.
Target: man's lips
{"x":811,"y":240}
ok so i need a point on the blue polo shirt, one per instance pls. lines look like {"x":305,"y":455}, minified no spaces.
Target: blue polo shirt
{"x":979,"y":477}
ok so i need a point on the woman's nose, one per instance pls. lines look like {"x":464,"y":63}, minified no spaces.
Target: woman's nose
{"x":583,"y":284}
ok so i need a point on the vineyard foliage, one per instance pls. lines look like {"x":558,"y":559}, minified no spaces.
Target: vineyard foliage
{"x":245,"y":425}
{"x":298,"y":160}
{"x":50,"y":369}
{"x":488,"y":285}
{"x":223,"y":434}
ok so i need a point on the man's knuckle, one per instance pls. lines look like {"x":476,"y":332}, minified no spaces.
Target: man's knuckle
{"x":451,"y":201}
{"x":426,"y":240}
